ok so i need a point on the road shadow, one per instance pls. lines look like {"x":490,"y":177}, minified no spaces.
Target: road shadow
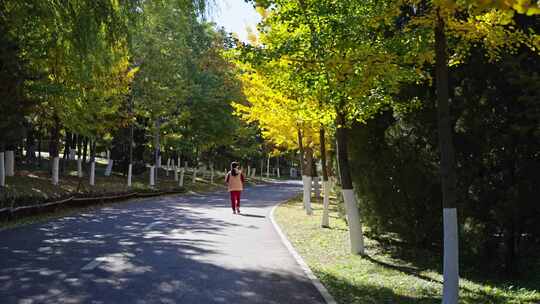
{"x":147,"y":251}
{"x":252,"y":215}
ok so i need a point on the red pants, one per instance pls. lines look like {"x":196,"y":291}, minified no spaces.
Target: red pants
{"x":235,"y":200}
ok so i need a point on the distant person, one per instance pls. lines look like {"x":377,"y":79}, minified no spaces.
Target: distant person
{"x":235,"y":183}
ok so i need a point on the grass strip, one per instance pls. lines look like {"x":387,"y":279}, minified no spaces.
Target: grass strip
{"x":383,"y":276}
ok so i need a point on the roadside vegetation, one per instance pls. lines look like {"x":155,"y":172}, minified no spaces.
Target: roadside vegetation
{"x":392,"y":271}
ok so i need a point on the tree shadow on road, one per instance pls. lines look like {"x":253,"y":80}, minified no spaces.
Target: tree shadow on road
{"x":141,"y":253}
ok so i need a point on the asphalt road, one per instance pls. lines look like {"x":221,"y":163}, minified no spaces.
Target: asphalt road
{"x":173,"y":249}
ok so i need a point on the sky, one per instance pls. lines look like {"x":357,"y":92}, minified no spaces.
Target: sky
{"x":235,"y":15}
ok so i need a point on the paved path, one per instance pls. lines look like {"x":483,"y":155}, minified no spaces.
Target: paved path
{"x":174,"y":249}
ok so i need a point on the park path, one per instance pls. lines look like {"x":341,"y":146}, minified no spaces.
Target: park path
{"x":172,"y":249}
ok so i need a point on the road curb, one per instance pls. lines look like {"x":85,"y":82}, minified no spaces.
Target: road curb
{"x":16,"y":212}
{"x":314,"y":280}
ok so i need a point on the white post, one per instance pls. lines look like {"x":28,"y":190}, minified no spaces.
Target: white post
{"x":326,"y":200}
{"x":79,"y":168}
{"x":108,"y":170}
{"x":307,"y":194}
{"x":55,"y":168}
{"x":10,"y":163}
{"x":181,"y":182}
{"x":92,"y":173}
{"x":152,"y":180}
{"x":317,"y":187}
{"x":353,"y":217}
{"x":450,"y":257}
{"x":175,"y":173}
{"x":185,"y":165}
{"x":2,"y":170}
{"x":194,"y":174}
{"x":130,"y":170}
{"x":159,"y":162}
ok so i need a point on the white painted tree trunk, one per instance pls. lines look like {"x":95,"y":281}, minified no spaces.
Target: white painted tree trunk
{"x":326,"y":200}
{"x":168,"y":167}
{"x":450,"y":257}
{"x":268,"y":167}
{"x":317,"y":187}
{"x":159,"y":162}
{"x":92,"y":173}
{"x":130,"y":170}
{"x":278,"y":173}
{"x":186,"y":165}
{"x":307,"y":194}
{"x":108,"y":170}
{"x":181,"y":182}
{"x":253,"y":172}
{"x":2,"y":170}
{"x":71,"y":154}
{"x":194,"y":175}
{"x":175,"y":173}
{"x":212,"y":175}
{"x":55,"y":169}
{"x":353,"y":217}
{"x":249,"y":171}
{"x":152,"y":177}
{"x":79,"y":168}
{"x":10,"y":163}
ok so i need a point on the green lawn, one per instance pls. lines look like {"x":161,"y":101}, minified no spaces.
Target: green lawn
{"x":382,"y":276}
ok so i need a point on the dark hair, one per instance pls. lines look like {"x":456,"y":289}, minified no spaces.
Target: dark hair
{"x":234,"y":165}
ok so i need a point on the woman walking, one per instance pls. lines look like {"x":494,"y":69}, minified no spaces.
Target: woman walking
{"x":235,"y":183}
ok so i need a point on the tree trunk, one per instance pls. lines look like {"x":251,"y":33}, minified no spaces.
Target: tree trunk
{"x":54,"y":143}
{"x":301,"y":149}
{"x":326,"y":190}
{"x":2,"y":169}
{"x":307,"y":179}
{"x":79,"y":146}
{"x":448,"y":170}
{"x":92,"y":172}
{"x":181,"y":181}
{"x":130,"y":169}
{"x":85,"y":148}
{"x":10,"y":162}
{"x":39,"y":149}
{"x":152,"y":176}
{"x":67,"y":152}
{"x":316,"y":185}
{"x":353,"y":216}
{"x":268,"y":167}
{"x":55,"y":174}
{"x":30,"y":145}
{"x":157,"y":143}
{"x":277,"y":165}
